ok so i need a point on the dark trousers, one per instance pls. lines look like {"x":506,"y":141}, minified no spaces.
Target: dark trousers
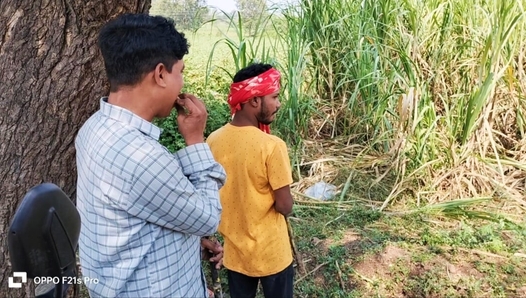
{"x":279,"y":285}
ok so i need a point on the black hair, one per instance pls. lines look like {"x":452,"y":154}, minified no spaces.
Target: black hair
{"x":251,"y":71}
{"x":132,"y":45}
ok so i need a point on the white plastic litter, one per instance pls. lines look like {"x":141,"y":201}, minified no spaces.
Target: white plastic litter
{"x":321,"y":191}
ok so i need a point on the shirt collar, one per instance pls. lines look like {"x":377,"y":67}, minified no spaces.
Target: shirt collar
{"x":127,"y":117}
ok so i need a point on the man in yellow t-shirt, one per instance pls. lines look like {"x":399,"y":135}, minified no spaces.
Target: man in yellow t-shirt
{"x":256,"y":196}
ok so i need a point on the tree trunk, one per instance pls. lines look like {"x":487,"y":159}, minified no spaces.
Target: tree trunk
{"x":51,"y":79}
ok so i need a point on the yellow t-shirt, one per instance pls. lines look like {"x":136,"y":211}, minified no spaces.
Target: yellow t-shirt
{"x":256,"y":237}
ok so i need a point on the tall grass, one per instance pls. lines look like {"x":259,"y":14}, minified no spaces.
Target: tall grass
{"x":424,"y":82}
{"x":244,"y":48}
{"x":297,"y":105}
{"x":434,"y":89}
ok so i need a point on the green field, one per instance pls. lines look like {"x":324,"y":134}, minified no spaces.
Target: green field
{"x":415,"y":110}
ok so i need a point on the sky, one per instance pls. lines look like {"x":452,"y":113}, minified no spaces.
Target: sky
{"x":230,"y":5}
{"x":226,"y":5}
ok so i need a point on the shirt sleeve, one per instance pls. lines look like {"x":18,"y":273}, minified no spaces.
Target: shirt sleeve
{"x":278,"y":167}
{"x":179,"y":192}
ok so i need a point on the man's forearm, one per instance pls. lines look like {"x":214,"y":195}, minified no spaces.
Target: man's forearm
{"x":205,"y":174}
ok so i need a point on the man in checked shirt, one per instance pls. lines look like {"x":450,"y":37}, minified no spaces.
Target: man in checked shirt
{"x":144,"y":209}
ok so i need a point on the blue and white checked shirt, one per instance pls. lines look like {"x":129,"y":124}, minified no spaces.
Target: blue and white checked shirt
{"x":143,"y":209}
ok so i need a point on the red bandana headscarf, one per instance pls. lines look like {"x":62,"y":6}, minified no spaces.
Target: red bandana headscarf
{"x":260,"y":85}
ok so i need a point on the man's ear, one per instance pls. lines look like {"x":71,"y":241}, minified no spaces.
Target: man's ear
{"x":255,"y":101}
{"x":159,"y":75}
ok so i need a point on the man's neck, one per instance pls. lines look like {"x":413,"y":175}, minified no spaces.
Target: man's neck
{"x":132,"y":101}
{"x":242,"y":120}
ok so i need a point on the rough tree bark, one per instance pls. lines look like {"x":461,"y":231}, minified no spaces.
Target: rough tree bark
{"x":51,"y":78}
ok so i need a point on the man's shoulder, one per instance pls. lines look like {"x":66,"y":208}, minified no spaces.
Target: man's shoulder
{"x":89,"y":126}
{"x":109,"y":132}
{"x":94,"y":118}
{"x":275,"y":140}
{"x":229,"y":133}
{"x":217,"y":134}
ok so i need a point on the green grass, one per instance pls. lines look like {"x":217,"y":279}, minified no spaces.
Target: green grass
{"x":352,"y":250}
{"x":388,"y":256}
{"x":419,"y":105}
{"x":386,"y":84}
